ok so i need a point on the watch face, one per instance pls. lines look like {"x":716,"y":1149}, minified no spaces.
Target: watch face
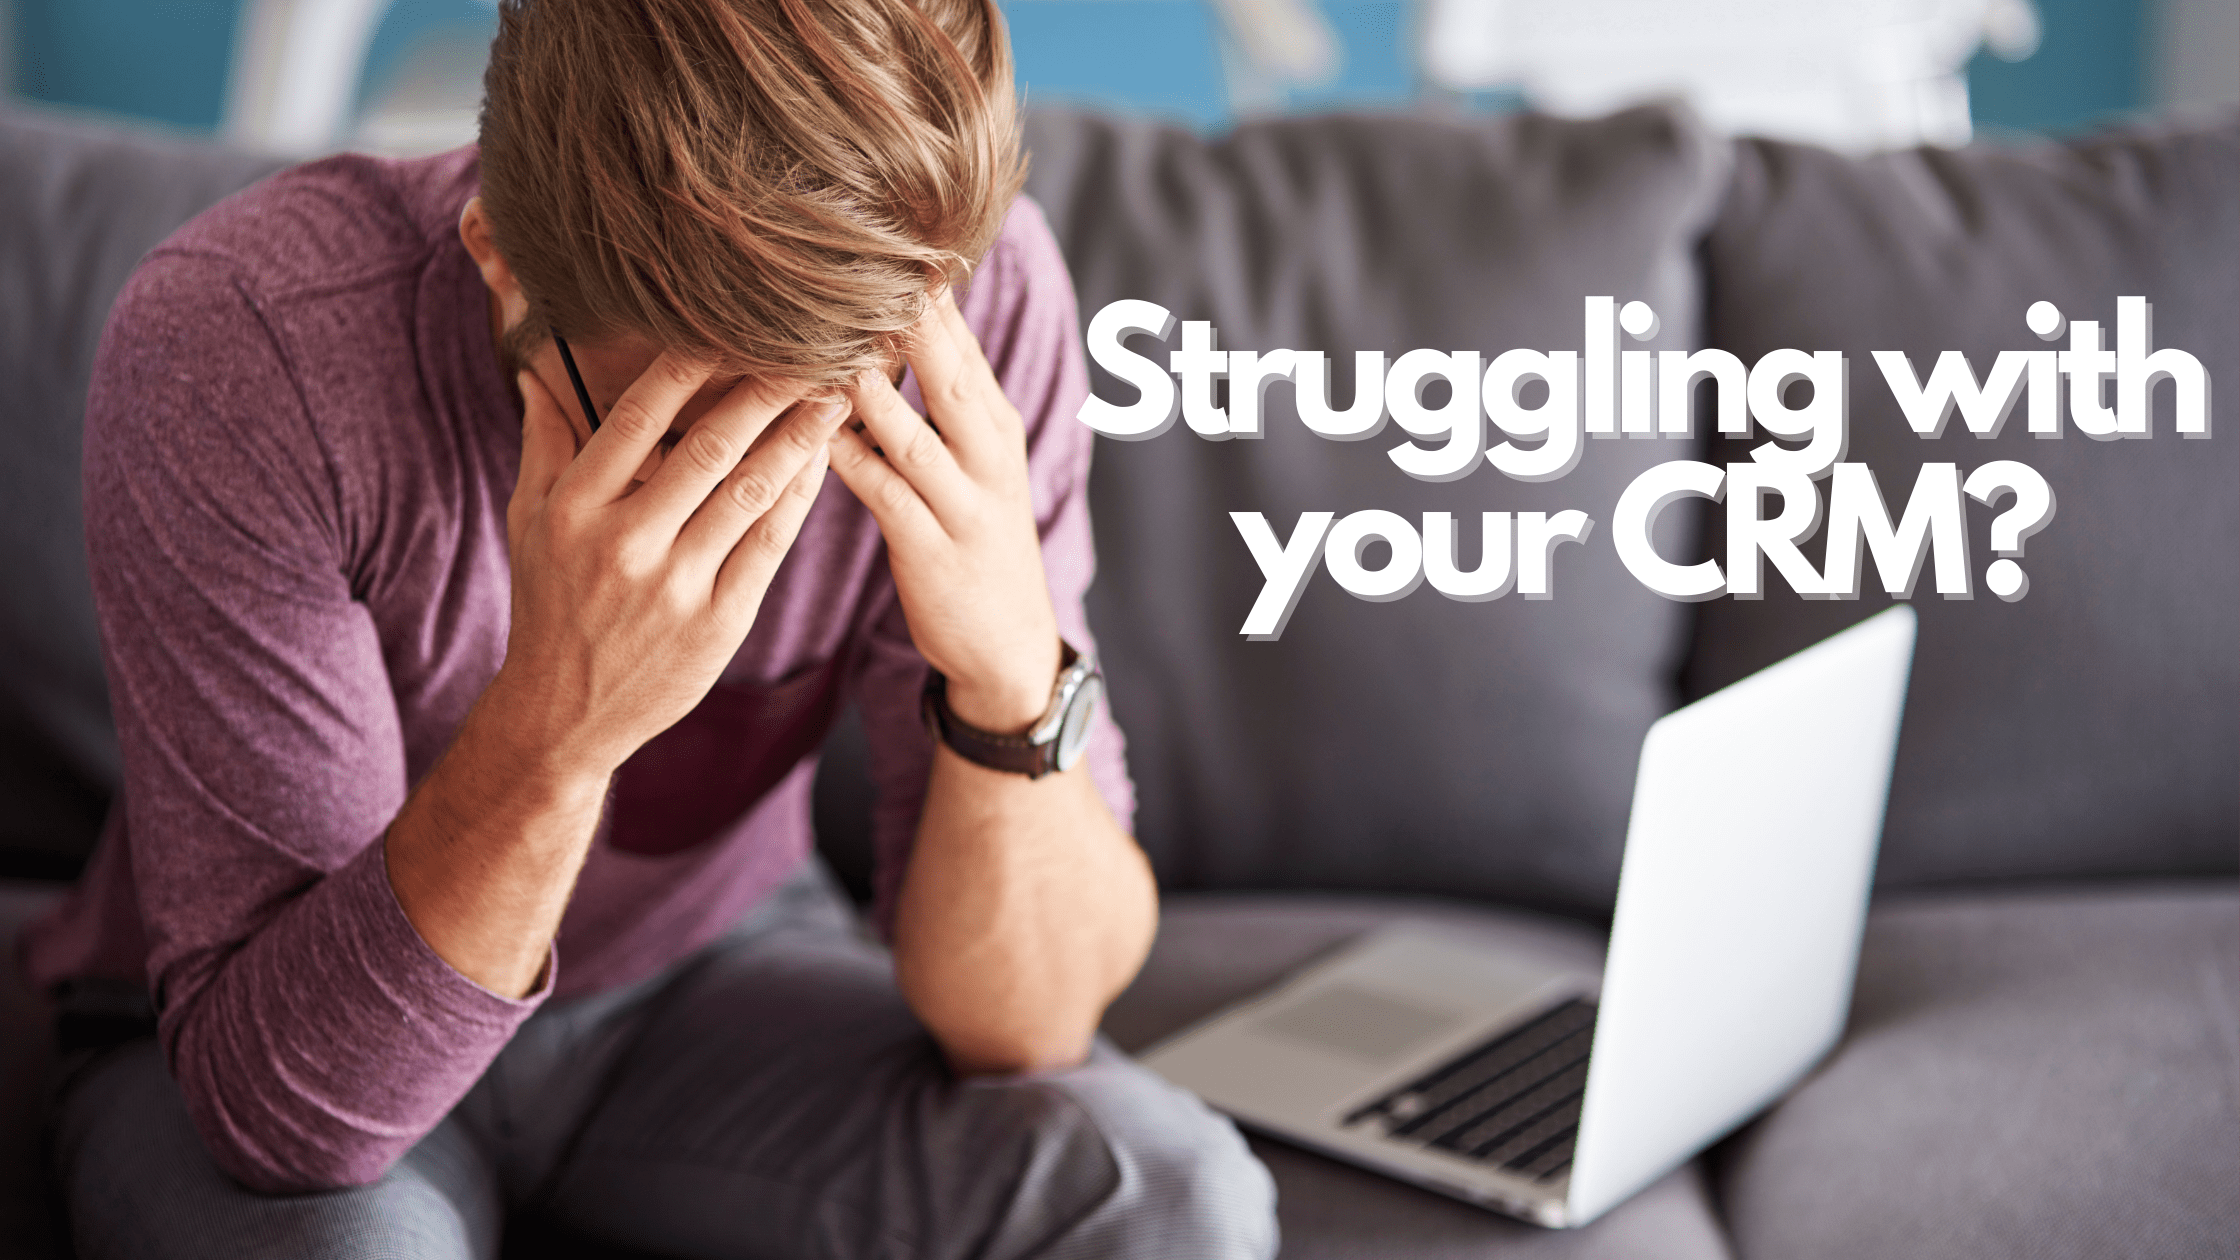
{"x":1073,"y":736}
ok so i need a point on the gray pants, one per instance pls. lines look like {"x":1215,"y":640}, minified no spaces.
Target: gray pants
{"x":771,"y":1096}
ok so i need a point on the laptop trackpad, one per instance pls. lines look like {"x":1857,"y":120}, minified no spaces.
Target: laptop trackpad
{"x":1359,"y":1023}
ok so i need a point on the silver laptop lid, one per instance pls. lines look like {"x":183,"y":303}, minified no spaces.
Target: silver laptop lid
{"x":1756,"y":815}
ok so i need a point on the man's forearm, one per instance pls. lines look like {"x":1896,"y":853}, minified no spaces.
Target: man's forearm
{"x":1025,"y":911}
{"x":485,"y":852}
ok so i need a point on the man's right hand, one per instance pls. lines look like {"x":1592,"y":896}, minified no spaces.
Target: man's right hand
{"x":629,"y":598}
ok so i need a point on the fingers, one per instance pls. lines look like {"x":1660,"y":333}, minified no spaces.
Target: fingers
{"x":755,"y":487}
{"x":976,"y":356}
{"x":902,"y":515}
{"x":634,"y":427}
{"x":754,"y":557}
{"x":714,"y":448}
{"x":548,"y":446}
{"x":960,"y":390}
{"x":912,"y":447}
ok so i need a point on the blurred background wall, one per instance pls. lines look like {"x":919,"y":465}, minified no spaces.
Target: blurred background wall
{"x":259,"y":70}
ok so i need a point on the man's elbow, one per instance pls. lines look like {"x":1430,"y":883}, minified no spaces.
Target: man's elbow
{"x":998,"y":1030}
{"x":278,"y":1158}
{"x":269,"y":1128}
{"x":260,"y":1172}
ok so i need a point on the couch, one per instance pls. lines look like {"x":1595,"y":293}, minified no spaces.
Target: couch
{"x":2043,"y":1056}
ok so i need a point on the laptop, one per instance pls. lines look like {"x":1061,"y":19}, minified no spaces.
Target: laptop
{"x":1554,"y":1095}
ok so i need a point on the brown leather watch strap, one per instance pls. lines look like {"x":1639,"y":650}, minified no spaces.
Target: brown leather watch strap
{"x":1013,"y":753}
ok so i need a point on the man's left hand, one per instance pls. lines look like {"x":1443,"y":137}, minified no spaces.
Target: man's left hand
{"x":951,"y":496}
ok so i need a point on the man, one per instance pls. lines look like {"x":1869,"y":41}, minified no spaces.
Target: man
{"x":473,"y":592}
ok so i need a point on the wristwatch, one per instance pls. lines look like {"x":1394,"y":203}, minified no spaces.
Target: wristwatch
{"x":1053,"y":743}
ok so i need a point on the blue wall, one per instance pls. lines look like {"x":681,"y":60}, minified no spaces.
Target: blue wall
{"x":1164,"y":57}
{"x":166,"y":59}
{"x":162,"y":61}
{"x":411,"y":21}
{"x":1152,"y":56}
{"x":2092,"y":63}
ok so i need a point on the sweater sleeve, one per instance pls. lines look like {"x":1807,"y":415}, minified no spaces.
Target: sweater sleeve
{"x":1021,"y":306}
{"x":314,"y":1035}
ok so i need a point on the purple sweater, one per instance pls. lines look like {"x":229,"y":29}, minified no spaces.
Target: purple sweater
{"x":299,"y":448}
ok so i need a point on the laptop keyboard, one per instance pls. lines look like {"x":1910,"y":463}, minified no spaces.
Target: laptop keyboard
{"x":1511,"y":1102}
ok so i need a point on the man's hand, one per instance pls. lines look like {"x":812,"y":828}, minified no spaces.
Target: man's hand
{"x":629,"y":597}
{"x":952,"y":499}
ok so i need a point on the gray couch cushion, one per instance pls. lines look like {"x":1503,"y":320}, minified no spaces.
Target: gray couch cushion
{"x":2051,"y":1075}
{"x":1421,"y":745}
{"x":2092,"y":728}
{"x":30,"y":1226}
{"x":78,"y":207}
{"x":1214,"y":949}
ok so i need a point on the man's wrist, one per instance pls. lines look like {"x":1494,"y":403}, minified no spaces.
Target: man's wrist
{"x":1006,"y":706}
{"x":540,"y":771}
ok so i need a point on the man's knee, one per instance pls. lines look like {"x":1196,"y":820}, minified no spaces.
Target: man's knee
{"x":1155,"y":1173}
{"x":1190,"y":1187}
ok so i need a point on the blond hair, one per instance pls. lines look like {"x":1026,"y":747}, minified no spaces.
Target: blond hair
{"x":771,"y":186}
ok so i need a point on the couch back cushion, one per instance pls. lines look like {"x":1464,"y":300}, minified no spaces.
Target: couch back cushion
{"x":2091,"y":729}
{"x":1482,"y":749}
{"x":78,"y":207}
